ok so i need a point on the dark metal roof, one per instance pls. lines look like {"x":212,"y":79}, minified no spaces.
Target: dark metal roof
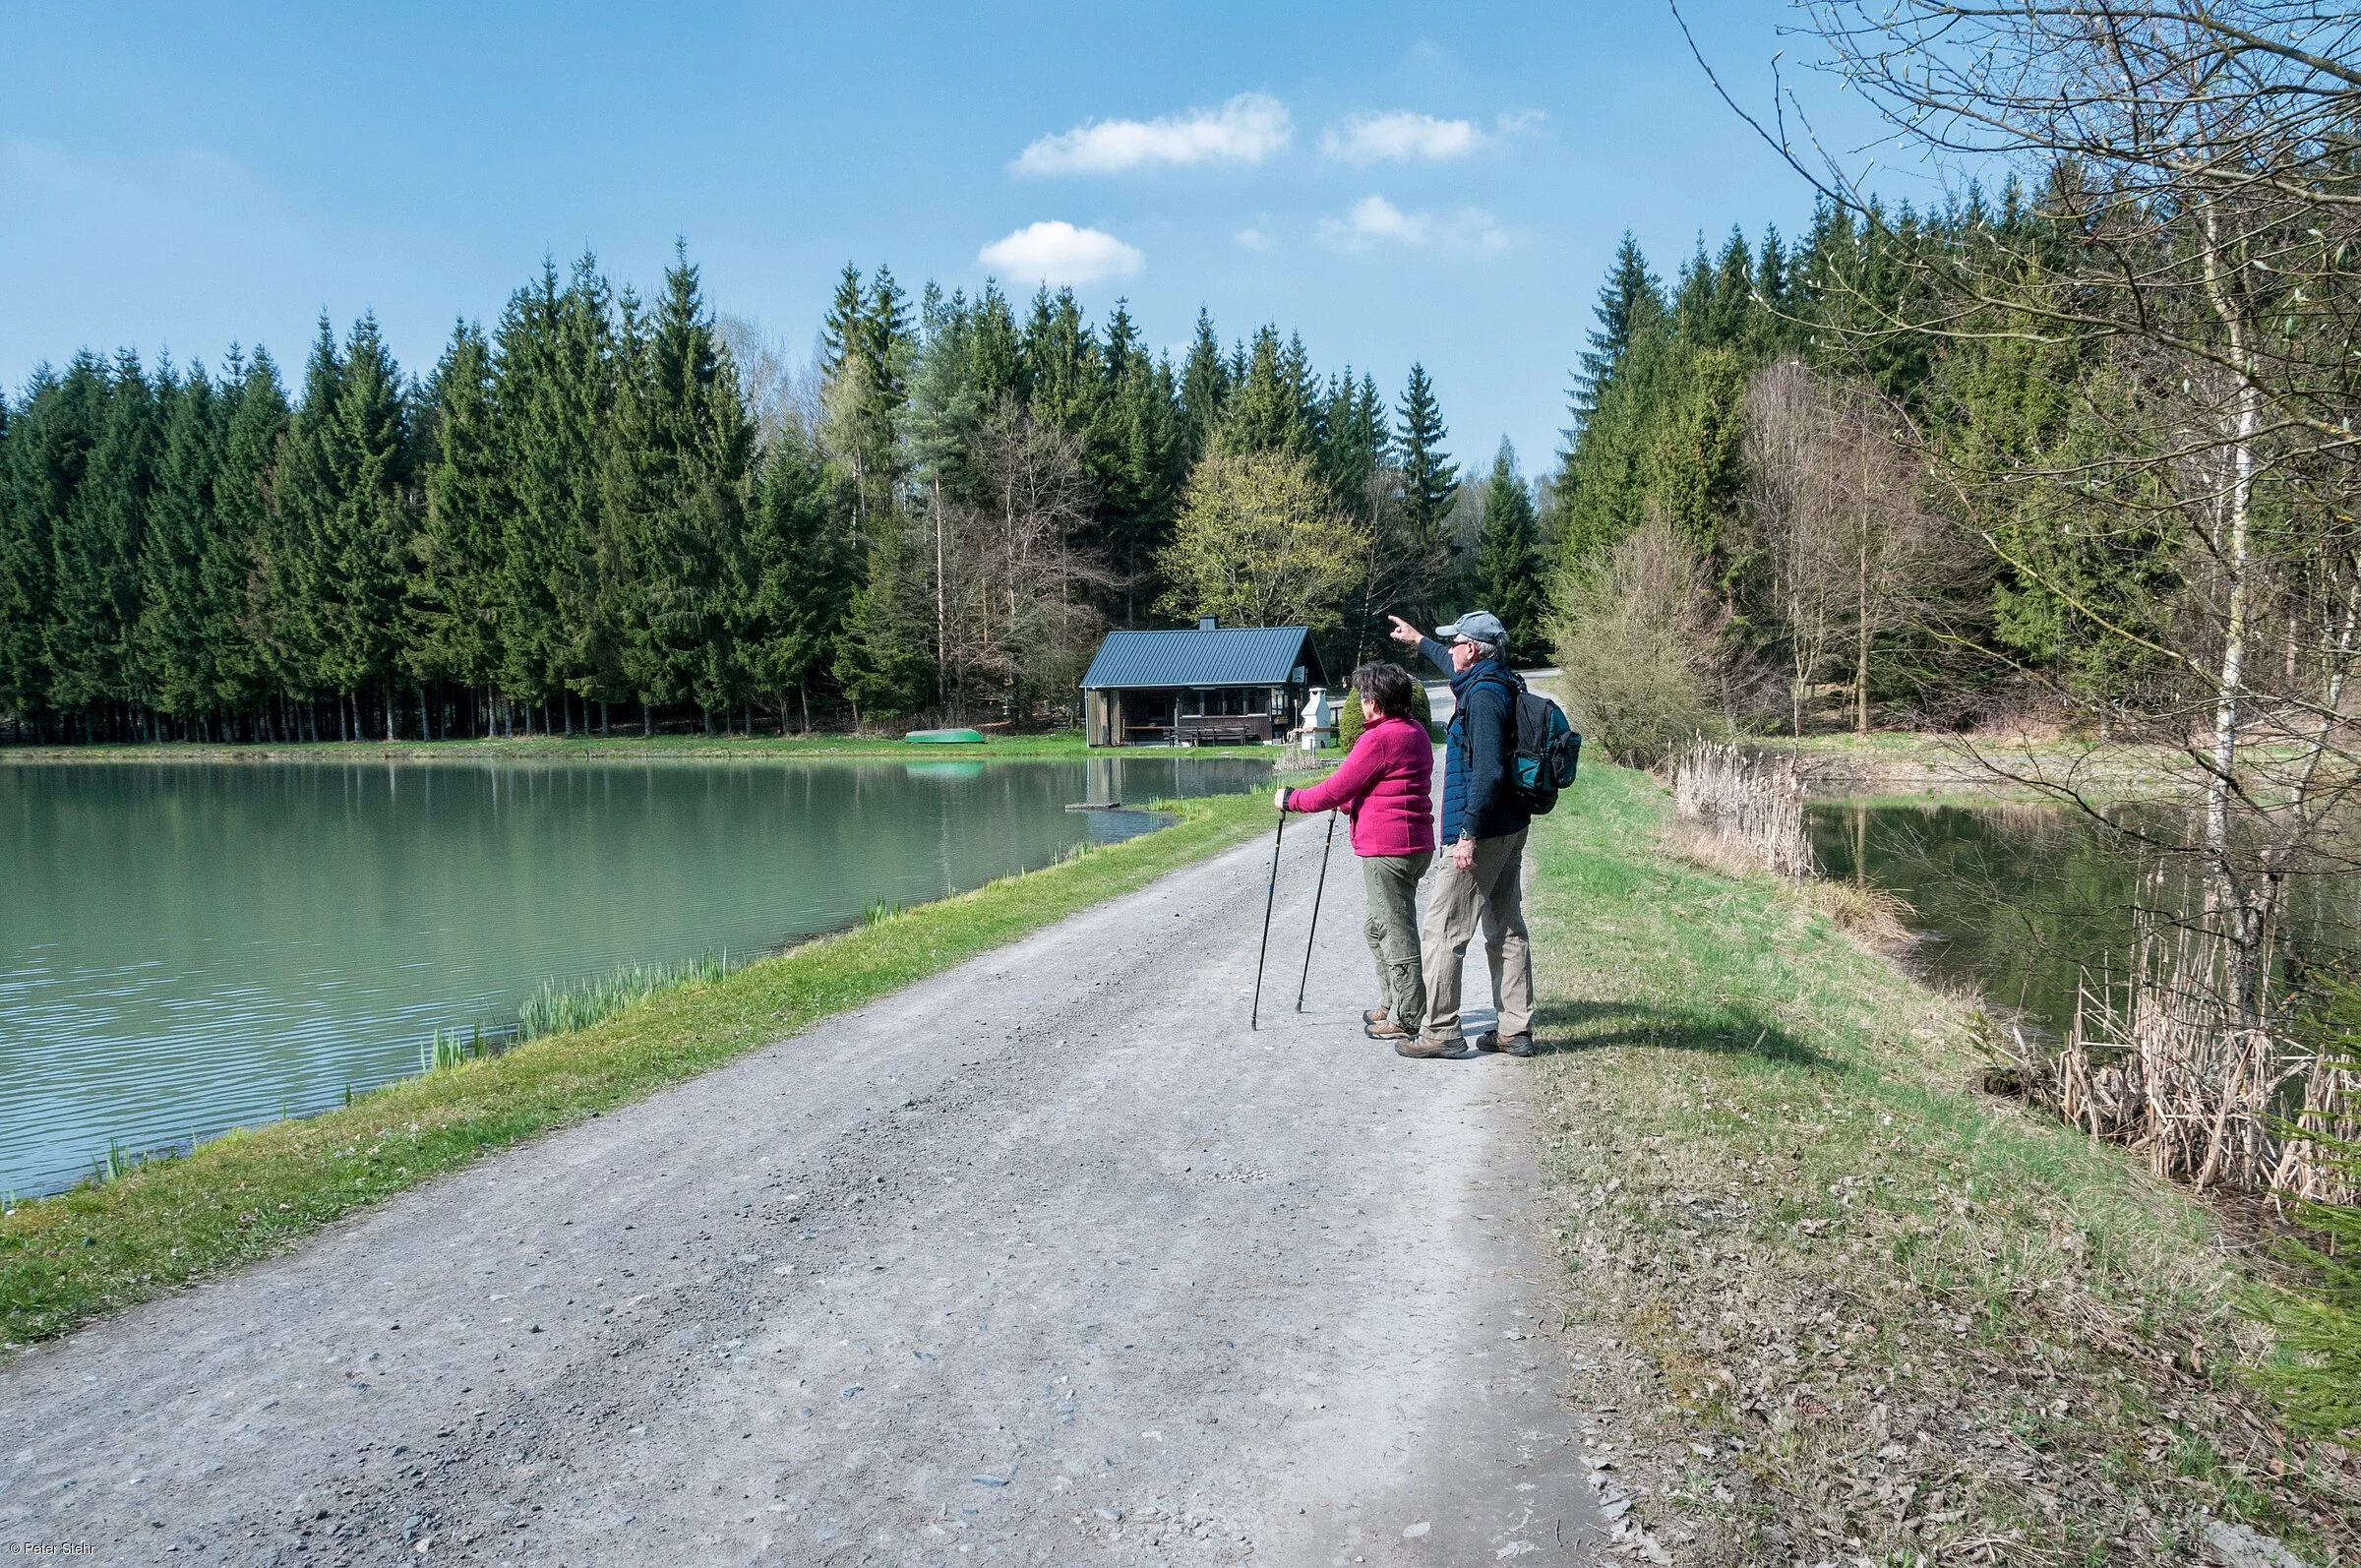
{"x":1224,"y":657}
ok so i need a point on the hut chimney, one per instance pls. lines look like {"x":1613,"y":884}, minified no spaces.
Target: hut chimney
{"x":1209,"y":623}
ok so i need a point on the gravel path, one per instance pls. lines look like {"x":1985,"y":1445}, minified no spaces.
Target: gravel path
{"x":1048,"y":1259}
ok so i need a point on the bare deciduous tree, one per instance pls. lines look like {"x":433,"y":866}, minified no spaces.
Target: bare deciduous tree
{"x":1014,"y":581}
{"x":1833,"y":502}
{"x":2197,"y":237}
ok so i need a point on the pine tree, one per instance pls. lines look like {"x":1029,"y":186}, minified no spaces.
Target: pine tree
{"x":1510,"y":579}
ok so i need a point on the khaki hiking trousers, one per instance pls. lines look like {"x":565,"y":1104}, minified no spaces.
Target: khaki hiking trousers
{"x":1492,"y":896}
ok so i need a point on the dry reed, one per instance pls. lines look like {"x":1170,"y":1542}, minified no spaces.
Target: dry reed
{"x":2160,"y":1060}
{"x":1750,"y":804}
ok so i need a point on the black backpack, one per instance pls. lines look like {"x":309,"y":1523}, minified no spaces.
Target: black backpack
{"x":1548,"y":750}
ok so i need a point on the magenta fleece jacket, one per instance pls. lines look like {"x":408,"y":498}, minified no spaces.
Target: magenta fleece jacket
{"x":1386,"y":786}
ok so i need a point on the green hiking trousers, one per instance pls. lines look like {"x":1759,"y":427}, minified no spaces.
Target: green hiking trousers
{"x":1392,"y":926}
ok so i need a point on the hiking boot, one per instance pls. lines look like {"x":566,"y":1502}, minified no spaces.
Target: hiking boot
{"x":1429,"y":1046}
{"x":1375,"y":1016}
{"x":1380,"y":1028}
{"x":1514,"y":1045}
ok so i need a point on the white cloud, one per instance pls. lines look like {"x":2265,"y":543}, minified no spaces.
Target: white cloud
{"x":1373,"y":222}
{"x":1246,"y":130}
{"x":1254,"y":239}
{"x":1402,"y":136}
{"x":1057,"y":252}
{"x":1398,"y":136}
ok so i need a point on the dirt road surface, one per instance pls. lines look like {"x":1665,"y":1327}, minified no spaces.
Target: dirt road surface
{"x":1047,"y":1261}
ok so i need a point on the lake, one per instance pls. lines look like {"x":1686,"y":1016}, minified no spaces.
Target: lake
{"x":188,"y":948}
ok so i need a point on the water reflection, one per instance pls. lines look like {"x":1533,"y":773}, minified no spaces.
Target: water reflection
{"x":188,"y":948}
{"x":2020,"y":900}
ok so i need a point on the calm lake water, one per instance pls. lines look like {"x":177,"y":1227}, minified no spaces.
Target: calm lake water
{"x":2019,"y":900}
{"x":185,"y":948}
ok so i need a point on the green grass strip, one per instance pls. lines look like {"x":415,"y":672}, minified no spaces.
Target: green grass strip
{"x":95,"y":1249}
{"x":1876,"y":1313}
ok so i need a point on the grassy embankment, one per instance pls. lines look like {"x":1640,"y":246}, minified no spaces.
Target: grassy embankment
{"x":68,"y":1258}
{"x":1067,"y":746}
{"x":1855,"y":1308}
{"x":1903,"y":765}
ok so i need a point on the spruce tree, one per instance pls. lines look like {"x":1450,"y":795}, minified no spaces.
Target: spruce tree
{"x":676,"y":500}
{"x":1431,"y":480}
{"x":48,"y":448}
{"x":303,"y":491}
{"x":1061,"y":365}
{"x":97,"y":598}
{"x":171,"y":647}
{"x":1509,"y":573}
{"x":1630,"y":299}
{"x":232,"y":568}
{"x":1266,"y":409}
{"x":363,"y":556}
{"x":455,"y":589}
{"x":799,"y":575}
{"x":1204,"y":390}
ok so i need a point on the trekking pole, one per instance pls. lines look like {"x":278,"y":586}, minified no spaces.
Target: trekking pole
{"x":1315,"y":911}
{"x":1254,"y":1016}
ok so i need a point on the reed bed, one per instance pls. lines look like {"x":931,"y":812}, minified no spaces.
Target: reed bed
{"x":1748,"y":803}
{"x":2160,"y":1061}
{"x":559,"y":1008}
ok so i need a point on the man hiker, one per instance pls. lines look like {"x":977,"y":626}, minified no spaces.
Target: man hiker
{"x":1480,"y":877}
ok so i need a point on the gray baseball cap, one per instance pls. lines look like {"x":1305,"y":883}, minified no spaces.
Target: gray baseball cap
{"x":1476,"y":626}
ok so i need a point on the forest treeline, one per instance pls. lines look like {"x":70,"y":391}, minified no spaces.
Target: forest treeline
{"x":604,"y":501}
{"x":1767,"y":515}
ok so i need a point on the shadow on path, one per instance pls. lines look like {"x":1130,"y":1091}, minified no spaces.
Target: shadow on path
{"x":1569,"y":1026}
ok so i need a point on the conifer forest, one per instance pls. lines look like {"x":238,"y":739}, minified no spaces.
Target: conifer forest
{"x":602,"y":510}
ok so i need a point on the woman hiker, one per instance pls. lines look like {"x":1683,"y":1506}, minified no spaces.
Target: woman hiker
{"x":1386,"y":787}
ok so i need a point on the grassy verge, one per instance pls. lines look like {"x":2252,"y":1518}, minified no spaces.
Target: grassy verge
{"x":577,"y":747}
{"x":68,"y":1258}
{"x":1902,"y":764}
{"x":1853,"y":1308}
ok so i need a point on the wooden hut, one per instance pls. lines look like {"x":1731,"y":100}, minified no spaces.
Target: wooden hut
{"x":1215,"y":684}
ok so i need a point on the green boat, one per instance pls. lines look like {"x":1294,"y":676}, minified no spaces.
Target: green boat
{"x":945,"y":737}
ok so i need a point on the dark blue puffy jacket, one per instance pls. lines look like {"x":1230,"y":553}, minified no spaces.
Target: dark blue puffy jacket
{"x":1479,"y":794}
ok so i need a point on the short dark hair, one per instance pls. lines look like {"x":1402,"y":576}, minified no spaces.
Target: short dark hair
{"x":1387,"y":688}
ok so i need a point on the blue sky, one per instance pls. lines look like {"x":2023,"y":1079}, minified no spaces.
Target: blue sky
{"x":1397,"y":182}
